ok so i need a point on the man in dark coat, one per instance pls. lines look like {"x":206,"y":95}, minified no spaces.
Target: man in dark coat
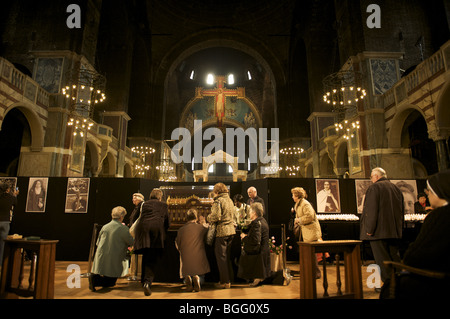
{"x":254,"y":263}
{"x":151,"y":235}
{"x":382,"y":219}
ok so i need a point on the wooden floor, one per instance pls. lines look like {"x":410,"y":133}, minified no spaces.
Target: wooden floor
{"x":126,"y":289}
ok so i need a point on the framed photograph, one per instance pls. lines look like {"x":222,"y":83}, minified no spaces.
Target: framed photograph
{"x":37,"y":194}
{"x":327,"y":192}
{"x":77,"y":195}
{"x":361,"y":186}
{"x":409,"y":190}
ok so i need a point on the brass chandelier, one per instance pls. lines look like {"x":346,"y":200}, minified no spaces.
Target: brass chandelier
{"x":83,"y":95}
{"x":343,"y":92}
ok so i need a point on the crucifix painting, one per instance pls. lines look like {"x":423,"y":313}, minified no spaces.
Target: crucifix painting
{"x":220,"y":93}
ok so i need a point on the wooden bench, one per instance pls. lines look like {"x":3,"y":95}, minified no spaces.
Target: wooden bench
{"x":352,"y":264}
{"x":41,"y":277}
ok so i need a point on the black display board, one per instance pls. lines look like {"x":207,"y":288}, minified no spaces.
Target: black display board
{"x":74,"y":230}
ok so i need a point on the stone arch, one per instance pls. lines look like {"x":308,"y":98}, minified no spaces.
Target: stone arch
{"x":92,"y":158}
{"x":442,"y":112}
{"x":398,"y":122}
{"x":36,"y":127}
{"x":326,"y":166}
{"x":222,"y":38}
{"x":108,"y":166}
{"x":128,"y":170}
{"x":342,"y":164}
{"x":309,"y":171}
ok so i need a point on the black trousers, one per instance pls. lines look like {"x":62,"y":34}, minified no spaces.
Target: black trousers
{"x":103,"y":281}
{"x":385,"y":250}
{"x":150,"y":260}
{"x":222,"y":251}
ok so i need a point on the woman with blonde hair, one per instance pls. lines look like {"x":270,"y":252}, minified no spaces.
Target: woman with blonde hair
{"x":222,"y":213}
{"x":306,"y":219}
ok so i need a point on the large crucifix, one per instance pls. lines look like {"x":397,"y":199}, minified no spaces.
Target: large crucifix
{"x":220,"y":93}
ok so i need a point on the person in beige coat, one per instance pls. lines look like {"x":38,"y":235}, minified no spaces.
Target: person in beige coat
{"x":306,"y":219}
{"x":222,"y":213}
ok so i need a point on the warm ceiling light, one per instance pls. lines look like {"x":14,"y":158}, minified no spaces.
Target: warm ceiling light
{"x":230,"y":79}
{"x":210,"y":79}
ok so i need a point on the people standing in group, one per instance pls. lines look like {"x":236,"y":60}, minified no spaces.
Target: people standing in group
{"x":254,"y":198}
{"x":382,"y":219}
{"x":150,"y":236}
{"x":222,"y":212}
{"x":306,"y":218}
{"x":110,"y":257}
{"x":8,"y":200}
{"x":254,"y":262}
{"x":190,"y":242}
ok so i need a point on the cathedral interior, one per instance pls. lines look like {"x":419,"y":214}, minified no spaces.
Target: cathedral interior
{"x":147,"y":64}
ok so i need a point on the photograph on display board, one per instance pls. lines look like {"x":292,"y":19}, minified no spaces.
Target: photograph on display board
{"x":11,"y":181}
{"x":37,"y":194}
{"x":361,"y":186}
{"x":409,"y":190}
{"x":328,"y":200}
{"x":77,"y":195}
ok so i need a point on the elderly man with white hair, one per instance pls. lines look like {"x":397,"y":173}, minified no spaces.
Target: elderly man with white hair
{"x":137,"y":199}
{"x":382,"y":219}
{"x":110,"y":258}
{"x":254,"y":198}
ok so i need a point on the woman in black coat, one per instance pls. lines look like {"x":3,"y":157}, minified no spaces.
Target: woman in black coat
{"x":150,"y":235}
{"x":254,"y":263}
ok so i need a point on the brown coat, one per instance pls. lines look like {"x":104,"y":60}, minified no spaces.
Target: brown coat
{"x":190,"y":243}
{"x":309,"y":224}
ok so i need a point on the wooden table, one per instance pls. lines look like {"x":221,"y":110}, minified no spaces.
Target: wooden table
{"x":352,"y":263}
{"x":42,"y":268}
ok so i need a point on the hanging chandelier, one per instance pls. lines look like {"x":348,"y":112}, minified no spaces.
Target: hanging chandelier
{"x":347,"y":127}
{"x":83,"y":95}
{"x":291,"y":150}
{"x":142,"y":152}
{"x":343,"y":92}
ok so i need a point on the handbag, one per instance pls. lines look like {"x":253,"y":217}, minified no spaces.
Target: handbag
{"x":293,"y":226}
{"x":211,"y":234}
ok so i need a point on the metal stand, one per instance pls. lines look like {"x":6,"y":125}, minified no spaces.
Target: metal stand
{"x":286,"y":271}
{"x":95,"y":232}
